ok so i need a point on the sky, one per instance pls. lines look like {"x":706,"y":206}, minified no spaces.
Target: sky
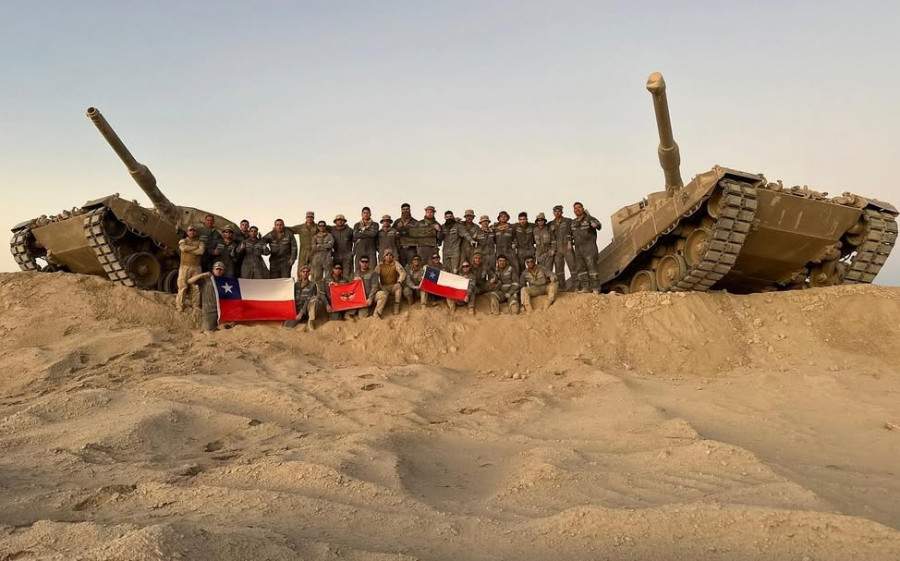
{"x":266,"y":109}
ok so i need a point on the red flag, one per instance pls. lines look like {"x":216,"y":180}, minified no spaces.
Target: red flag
{"x":348,"y":296}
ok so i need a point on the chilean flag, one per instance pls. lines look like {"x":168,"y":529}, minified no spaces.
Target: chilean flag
{"x":442,"y":283}
{"x":255,"y":299}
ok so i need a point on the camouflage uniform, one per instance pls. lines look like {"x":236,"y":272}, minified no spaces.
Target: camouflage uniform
{"x":471,"y":291}
{"x":537,"y":282}
{"x":211,"y":238}
{"x":322,"y":247}
{"x":407,"y":243}
{"x":468,"y":243}
{"x":304,"y":234}
{"x":561,"y":228}
{"x":365,"y":240}
{"x":584,"y":237}
{"x":524,"y":243}
{"x":543,"y":246}
{"x":226,"y":252}
{"x":414,"y":277}
{"x":454,"y":234}
{"x":331,"y":280}
{"x":253,"y":266}
{"x":343,"y":247}
{"x":428,"y":238}
{"x":484,"y":243}
{"x":191,"y":254}
{"x":392,"y":276}
{"x":283,"y":251}
{"x":375,"y":297}
{"x":207,"y":289}
{"x":307,"y":302}
{"x":505,"y":241}
{"x":505,"y":290}
{"x":387,"y":239}
{"x":485,"y":280}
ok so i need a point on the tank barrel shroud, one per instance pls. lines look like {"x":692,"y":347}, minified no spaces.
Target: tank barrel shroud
{"x":139,"y":172}
{"x":669,"y":156}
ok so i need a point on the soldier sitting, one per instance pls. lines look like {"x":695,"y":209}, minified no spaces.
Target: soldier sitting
{"x":375,"y":297}
{"x":307,"y":301}
{"x":414,"y":274}
{"x":466,"y":272}
{"x":537,"y":280}
{"x":507,"y":287}
{"x":391,"y":276}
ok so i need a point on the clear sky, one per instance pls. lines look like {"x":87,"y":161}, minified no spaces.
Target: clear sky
{"x":268,"y":109}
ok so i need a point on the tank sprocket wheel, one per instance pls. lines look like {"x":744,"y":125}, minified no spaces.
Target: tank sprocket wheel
{"x":643,"y":281}
{"x":22,"y":248}
{"x":95,"y":232}
{"x":143,"y":268}
{"x":670,"y":270}
{"x":876,"y":244}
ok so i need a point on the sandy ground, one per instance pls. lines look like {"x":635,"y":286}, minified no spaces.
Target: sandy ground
{"x":649,"y":426}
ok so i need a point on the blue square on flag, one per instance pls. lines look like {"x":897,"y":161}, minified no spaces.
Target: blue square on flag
{"x":228,"y":288}
{"x":432,"y":273}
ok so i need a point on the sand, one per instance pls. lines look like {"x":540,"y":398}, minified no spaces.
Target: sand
{"x":648,"y":426}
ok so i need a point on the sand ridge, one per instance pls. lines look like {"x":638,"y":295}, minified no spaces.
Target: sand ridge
{"x":648,"y":426}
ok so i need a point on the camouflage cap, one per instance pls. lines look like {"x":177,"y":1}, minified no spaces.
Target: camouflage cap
{"x":469,"y":212}
{"x":387,"y":252}
{"x":502,"y":212}
{"x":227,"y":230}
{"x":340,"y":217}
{"x":540,"y":216}
{"x":429,"y":207}
{"x":386,"y":218}
{"x":305,"y":268}
{"x":484,"y":218}
{"x":310,"y":214}
{"x":219,"y":265}
{"x":558,"y":207}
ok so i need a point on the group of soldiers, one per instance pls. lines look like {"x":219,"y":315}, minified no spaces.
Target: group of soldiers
{"x":510,"y":262}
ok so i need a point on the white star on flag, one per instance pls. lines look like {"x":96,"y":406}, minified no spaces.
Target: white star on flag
{"x":227,"y":288}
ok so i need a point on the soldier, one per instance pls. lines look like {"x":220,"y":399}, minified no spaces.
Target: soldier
{"x":207,"y":289}
{"x":537,"y":280}
{"x":225,"y":251}
{"x":322,"y":247}
{"x":524,"y":232}
{"x":485,"y":281}
{"x":336,"y":277}
{"x":391,"y":276}
{"x":387,"y":237}
{"x":304,"y":233}
{"x":543,"y":242}
{"x":343,"y":244}
{"x":505,"y":239}
{"x":584,"y":239}
{"x":242,"y":234}
{"x":252,"y":250}
{"x":468,"y":244}
{"x":484,"y":243}
{"x":210,"y":238}
{"x":506,"y":288}
{"x":454,"y":234}
{"x":563,"y":254}
{"x":407,"y":243}
{"x":283,"y":251}
{"x":306,"y":299}
{"x":365,"y":237}
{"x":469,"y":302}
{"x":427,"y":241}
{"x":414,"y":274}
{"x":375,"y":297}
{"x":192,"y":250}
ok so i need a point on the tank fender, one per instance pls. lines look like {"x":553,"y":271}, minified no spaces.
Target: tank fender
{"x":883,"y":206}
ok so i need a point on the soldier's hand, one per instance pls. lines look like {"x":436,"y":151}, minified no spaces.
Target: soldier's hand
{"x":595,"y":225}
{"x":437,"y":228}
{"x":328,"y":308}
{"x":569,"y":245}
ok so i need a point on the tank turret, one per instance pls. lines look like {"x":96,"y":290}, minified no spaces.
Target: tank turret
{"x":669,"y":156}
{"x":139,"y":172}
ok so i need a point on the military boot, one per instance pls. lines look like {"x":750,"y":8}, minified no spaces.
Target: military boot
{"x":397,"y":306}
{"x":409,"y":299}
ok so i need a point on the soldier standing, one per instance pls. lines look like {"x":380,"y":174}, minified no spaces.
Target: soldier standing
{"x":469,"y":244}
{"x":563,"y":254}
{"x":252,"y":250}
{"x":387,"y":237}
{"x":454,"y":234}
{"x":543,"y":242}
{"x":343,"y":244}
{"x":304,"y":233}
{"x":484,"y":243}
{"x":407,"y":243}
{"x":537,"y":280}
{"x":191,"y":249}
{"x":365,"y":237}
{"x":506,"y":287}
{"x":524,"y":232}
{"x":375,"y":297}
{"x":391,"y":276}
{"x":242,"y":234}
{"x":207,"y":289}
{"x":427,"y":235}
{"x":505,"y":239}
{"x":210,"y":238}
{"x":336,"y":277}
{"x":322,"y":248}
{"x":414,"y":275}
{"x":306,"y":299}
{"x":584,"y":238}
{"x":225,"y":251}
{"x":283,"y":251}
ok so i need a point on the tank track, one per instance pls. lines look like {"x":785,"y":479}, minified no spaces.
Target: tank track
{"x":18,"y":246}
{"x":880,"y":236}
{"x":736,"y":213}
{"x":95,"y":232}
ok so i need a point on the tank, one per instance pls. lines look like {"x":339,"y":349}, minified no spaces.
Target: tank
{"x":734,"y":230}
{"x":112,"y":237}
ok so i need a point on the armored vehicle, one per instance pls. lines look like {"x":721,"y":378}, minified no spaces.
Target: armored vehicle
{"x":111,"y":237}
{"x":733,"y":230}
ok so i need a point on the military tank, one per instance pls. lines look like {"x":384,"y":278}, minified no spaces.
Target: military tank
{"x":112,"y":237}
{"x":734,"y":230}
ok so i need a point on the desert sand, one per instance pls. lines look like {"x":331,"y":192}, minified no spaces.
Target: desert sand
{"x":647,"y":426}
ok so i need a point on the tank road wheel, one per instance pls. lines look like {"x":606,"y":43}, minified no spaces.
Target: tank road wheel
{"x":143,"y":268}
{"x":643,"y":281}
{"x":670,"y":270}
{"x":620,"y":287}
{"x":695,"y":246}
{"x":168,"y":282}
{"x":114,"y":229}
{"x":828,"y":273}
{"x":714,"y":203}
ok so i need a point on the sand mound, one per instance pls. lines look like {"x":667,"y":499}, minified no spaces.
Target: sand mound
{"x":648,"y":426}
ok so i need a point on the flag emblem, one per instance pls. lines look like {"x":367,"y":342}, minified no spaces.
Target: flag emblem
{"x":347,"y":296}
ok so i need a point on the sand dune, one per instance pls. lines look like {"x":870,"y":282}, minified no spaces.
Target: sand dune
{"x":648,"y":426}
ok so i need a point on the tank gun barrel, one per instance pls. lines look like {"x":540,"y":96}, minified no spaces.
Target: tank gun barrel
{"x":139,"y":172}
{"x":669,"y":156}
